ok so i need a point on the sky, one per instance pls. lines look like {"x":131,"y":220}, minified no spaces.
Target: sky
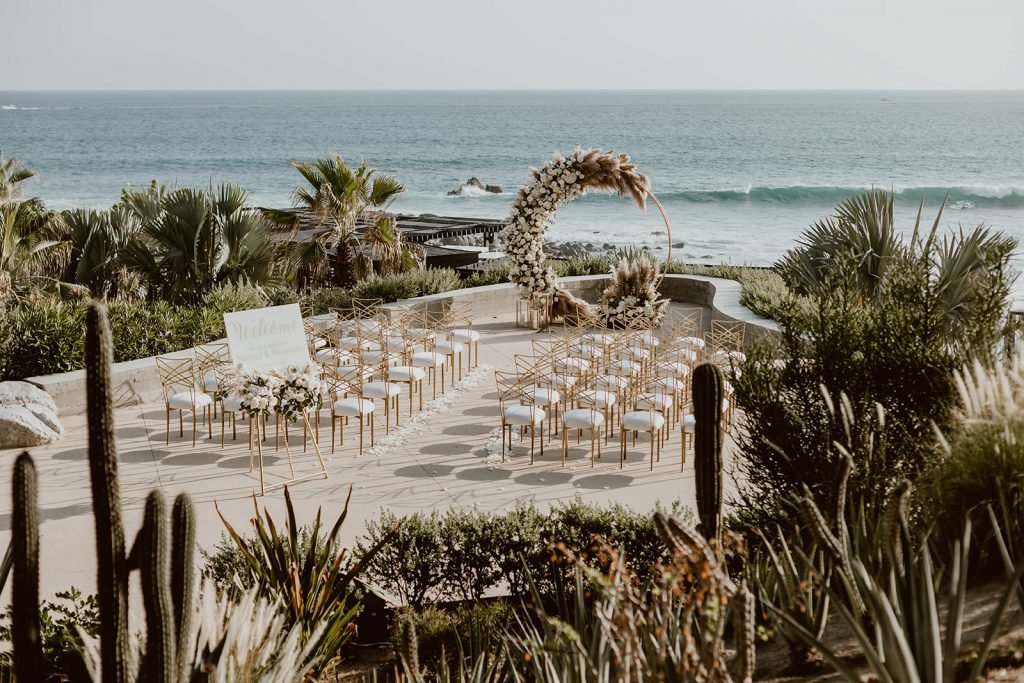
{"x":519,"y":44}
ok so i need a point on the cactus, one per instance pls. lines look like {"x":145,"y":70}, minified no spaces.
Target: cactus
{"x":151,"y":549}
{"x":28,"y":648}
{"x":183,"y":541}
{"x":410,"y":646}
{"x":112,"y":568}
{"x":746,"y":624}
{"x":708,"y":394}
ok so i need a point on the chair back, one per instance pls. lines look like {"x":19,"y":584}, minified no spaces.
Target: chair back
{"x":727,"y":335}
{"x":176,"y":374}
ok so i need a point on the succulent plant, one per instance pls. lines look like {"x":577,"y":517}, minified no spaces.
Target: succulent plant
{"x":708,"y":394}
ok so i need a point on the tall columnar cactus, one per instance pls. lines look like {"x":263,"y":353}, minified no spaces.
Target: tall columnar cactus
{"x":183,"y":542}
{"x":708,"y":394}
{"x":28,"y":648}
{"x":152,"y":549}
{"x":112,"y":566}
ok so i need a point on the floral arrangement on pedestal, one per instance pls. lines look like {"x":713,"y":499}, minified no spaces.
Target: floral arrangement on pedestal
{"x":631,"y":298}
{"x":300,"y":391}
{"x":561,"y":180}
{"x":264,"y":394}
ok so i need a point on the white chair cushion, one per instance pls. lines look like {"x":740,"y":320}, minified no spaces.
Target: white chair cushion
{"x":544,"y":397}
{"x":210,"y":383}
{"x":598,"y":399}
{"x":381,"y":389}
{"x":583,"y":418}
{"x":232,"y":403}
{"x":449,"y":347}
{"x":524,"y":415}
{"x":327,"y":355}
{"x":352,"y":407}
{"x":465,"y":335}
{"x":183,"y":400}
{"x":654,"y":401}
{"x":406,"y":373}
{"x":643,"y":420}
{"x":689,"y":423}
{"x":318,"y":342}
{"x":692,"y":342}
{"x":428,"y":359}
{"x":731,"y":356}
{"x":725,"y":405}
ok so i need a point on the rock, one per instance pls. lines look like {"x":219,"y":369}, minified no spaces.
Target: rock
{"x":474,"y":182}
{"x":679,"y":245}
{"x":28,"y":416}
{"x":23,"y":393}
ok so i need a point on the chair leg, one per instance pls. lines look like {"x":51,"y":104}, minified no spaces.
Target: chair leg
{"x":195,"y":424}
{"x":167,"y":411}
{"x":333,"y":425}
{"x":181,"y":423}
{"x":360,"y":436}
{"x":533,"y":431}
{"x":653,"y":437}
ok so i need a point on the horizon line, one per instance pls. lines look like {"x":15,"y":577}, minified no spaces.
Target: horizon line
{"x":493,"y":90}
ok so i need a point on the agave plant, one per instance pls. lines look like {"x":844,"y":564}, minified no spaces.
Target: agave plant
{"x":315,"y":580}
{"x":338,"y":196}
{"x":786,"y":581}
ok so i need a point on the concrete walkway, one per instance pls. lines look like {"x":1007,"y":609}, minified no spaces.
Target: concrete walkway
{"x":442,"y":461}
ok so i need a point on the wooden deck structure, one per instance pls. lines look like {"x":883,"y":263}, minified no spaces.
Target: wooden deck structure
{"x":300,"y":225}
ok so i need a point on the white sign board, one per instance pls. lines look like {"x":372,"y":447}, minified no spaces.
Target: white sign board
{"x":268,"y":339}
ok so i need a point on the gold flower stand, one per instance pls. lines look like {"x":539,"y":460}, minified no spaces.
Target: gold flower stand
{"x":258,"y":453}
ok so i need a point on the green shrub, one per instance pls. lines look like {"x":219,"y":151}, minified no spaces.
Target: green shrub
{"x":60,"y":623}
{"x":868,"y":332}
{"x":43,"y":339}
{"x":463,"y":555}
{"x":323,"y":300}
{"x":408,"y":285}
{"x":586,"y":264}
{"x":228,"y":297}
{"x":495,"y":275}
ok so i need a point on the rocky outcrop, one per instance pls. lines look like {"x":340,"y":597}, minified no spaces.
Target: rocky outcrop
{"x":28,"y":416}
{"x":474,"y":186}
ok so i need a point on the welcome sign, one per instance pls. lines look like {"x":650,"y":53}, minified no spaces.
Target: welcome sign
{"x":268,"y":339}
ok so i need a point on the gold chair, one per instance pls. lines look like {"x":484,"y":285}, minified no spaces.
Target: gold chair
{"x":178,"y":381}
{"x":347,"y":402}
{"x":211,"y":359}
{"x":516,"y":411}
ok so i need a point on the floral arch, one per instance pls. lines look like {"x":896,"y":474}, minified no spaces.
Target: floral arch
{"x":558,"y":182}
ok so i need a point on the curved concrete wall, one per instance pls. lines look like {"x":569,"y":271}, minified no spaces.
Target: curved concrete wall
{"x":136,"y":382}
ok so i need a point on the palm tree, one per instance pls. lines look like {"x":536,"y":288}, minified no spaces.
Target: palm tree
{"x":192,"y":240}
{"x":99,"y":241}
{"x":338,"y":196}
{"x":12,"y":174}
{"x":31,"y":247}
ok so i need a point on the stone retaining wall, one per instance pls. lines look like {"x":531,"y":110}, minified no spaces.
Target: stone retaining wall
{"x":136,"y":381}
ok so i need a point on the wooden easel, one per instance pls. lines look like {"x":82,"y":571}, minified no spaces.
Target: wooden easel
{"x":264,"y":487}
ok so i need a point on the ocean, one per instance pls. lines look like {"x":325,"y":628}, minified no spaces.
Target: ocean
{"x":740,"y":173}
